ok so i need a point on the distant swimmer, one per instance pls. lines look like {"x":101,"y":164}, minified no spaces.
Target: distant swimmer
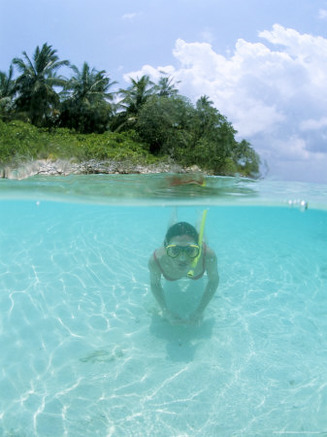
{"x":184,"y":256}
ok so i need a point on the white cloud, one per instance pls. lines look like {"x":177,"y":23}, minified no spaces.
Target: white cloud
{"x":322,"y":14}
{"x":291,"y":149}
{"x":312,"y":124}
{"x":130,"y":16}
{"x":154,"y":72}
{"x":274,"y":92}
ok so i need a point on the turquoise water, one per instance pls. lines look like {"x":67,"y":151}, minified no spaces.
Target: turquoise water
{"x":83,"y":349}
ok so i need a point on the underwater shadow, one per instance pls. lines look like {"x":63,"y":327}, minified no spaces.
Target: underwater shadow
{"x":182,"y":340}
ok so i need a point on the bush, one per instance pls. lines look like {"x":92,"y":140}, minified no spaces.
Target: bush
{"x":22,"y":141}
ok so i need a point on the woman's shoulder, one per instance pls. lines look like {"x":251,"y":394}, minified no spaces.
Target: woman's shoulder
{"x":156,"y":256}
{"x":210,"y":253}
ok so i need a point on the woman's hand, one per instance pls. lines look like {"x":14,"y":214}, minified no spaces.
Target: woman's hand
{"x":173,"y":319}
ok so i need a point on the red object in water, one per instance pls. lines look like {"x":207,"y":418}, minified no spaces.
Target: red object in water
{"x":186,"y":180}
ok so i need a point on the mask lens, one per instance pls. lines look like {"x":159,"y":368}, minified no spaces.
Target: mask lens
{"x":173,"y":251}
{"x":191,"y":250}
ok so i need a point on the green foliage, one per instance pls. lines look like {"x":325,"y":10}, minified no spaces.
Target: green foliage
{"x":81,"y":118}
{"x":110,"y":145}
{"x":194,"y":135}
{"x":17,"y":139}
{"x":35,"y":85}
{"x":7,"y":92}
{"x":166,"y":87}
{"x":86,"y":106}
{"x":136,"y":94}
{"x":164,"y":123}
{"x":22,"y":141}
{"x":248,"y":161}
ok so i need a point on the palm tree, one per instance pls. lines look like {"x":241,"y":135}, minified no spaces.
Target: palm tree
{"x":90,"y":86}
{"x":133,"y":99}
{"x":136,"y":94}
{"x":166,"y":87}
{"x":208,"y":118}
{"x":7,"y":92}
{"x":87,"y":101}
{"x":37,"y":96}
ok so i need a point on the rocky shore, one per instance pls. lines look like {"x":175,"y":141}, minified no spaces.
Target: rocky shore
{"x":48,"y":167}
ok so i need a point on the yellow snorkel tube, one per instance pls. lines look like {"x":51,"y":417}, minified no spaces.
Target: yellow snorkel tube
{"x":190,"y":274}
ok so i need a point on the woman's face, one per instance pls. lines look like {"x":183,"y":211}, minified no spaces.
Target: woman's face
{"x":184,"y":249}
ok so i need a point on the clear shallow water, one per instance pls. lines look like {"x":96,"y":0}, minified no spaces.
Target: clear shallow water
{"x":83,"y":350}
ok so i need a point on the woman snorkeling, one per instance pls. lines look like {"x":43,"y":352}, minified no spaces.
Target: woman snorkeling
{"x":184,"y":254}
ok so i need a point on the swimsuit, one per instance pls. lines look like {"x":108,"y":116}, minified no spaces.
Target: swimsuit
{"x":193,"y":277}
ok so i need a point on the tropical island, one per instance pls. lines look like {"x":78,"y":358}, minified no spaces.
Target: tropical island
{"x":81,"y":119}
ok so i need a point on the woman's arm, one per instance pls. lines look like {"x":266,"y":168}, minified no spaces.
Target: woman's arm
{"x":155,"y":284}
{"x":211,"y":287}
{"x":158,"y":293}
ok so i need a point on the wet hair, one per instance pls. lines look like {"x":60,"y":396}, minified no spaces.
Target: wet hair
{"x":181,"y":228}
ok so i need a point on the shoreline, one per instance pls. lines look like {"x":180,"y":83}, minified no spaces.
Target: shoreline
{"x":48,"y":167}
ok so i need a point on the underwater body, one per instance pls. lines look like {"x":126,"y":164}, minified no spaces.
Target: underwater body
{"x":84,"y":350}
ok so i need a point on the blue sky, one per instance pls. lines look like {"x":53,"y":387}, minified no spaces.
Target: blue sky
{"x":262,"y":62}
